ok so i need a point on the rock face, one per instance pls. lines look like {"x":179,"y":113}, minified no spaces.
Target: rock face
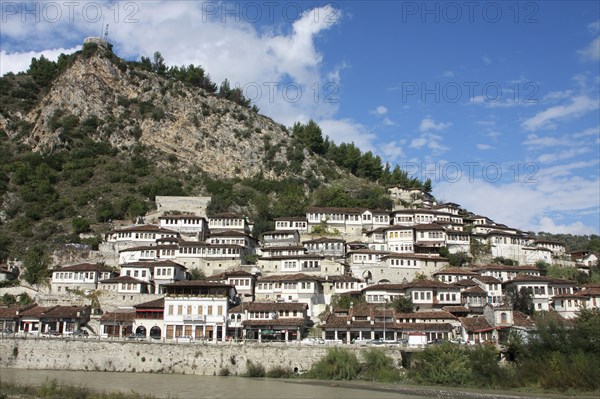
{"x":202,"y":130}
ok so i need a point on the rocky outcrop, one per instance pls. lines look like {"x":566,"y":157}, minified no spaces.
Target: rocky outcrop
{"x":203,"y":131}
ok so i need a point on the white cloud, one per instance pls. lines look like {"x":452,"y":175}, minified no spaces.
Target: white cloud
{"x":548,"y":225}
{"x":431,"y":141}
{"x":380,"y":110}
{"x":348,"y":131}
{"x":535,"y":141}
{"x":594,"y":27}
{"x":562,"y":155}
{"x":388,"y":122}
{"x":592,"y":51}
{"x":524,"y":205}
{"x":17,"y":62}
{"x":393,"y":150}
{"x":448,"y":74}
{"x":548,"y":118}
{"x":487,"y":60}
{"x":224,"y":46}
{"x":483,"y":147}
{"x":429,"y":124}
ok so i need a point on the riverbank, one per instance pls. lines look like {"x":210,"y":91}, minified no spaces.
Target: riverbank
{"x":166,"y":358}
{"x":123,"y":385}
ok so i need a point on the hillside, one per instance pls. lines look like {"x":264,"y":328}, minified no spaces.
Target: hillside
{"x":92,"y":139}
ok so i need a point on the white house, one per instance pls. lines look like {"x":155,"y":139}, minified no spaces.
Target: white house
{"x":197,"y":309}
{"x":292,"y":223}
{"x":228,"y":221}
{"x":298,"y":287}
{"x":326,"y":246}
{"x":190,"y":225}
{"x":84,"y":276}
{"x":541,"y":288}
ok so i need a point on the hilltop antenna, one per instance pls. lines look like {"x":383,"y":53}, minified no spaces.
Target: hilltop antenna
{"x":105,"y":36}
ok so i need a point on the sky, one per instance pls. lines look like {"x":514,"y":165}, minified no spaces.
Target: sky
{"x":496,"y":102}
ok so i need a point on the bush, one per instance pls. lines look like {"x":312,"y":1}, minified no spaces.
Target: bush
{"x":338,"y":364}
{"x":80,"y":225}
{"x":379,"y":367}
{"x":254,"y":370}
{"x":445,"y":364}
{"x":279,"y":372}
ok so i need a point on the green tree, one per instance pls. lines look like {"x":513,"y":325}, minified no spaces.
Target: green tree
{"x":197,"y":274}
{"x":427,"y":186}
{"x":343,"y":301}
{"x":80,"y":225}
{"x":310,"y":135}
{"x":403,"y":304}
{"x":369,"y":166}
{"x":519,"y":299}
{"x":36,"y":263}
{"x":158,"y":65}
{"x":43,"y":71}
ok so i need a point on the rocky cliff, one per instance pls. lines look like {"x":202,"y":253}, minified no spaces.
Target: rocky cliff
{"x":126,"y":105}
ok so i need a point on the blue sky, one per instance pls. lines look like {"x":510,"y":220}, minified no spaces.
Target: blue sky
{"x":497,"y":102}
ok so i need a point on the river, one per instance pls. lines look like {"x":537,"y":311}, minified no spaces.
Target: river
{"x":178,"y":386}
{"x":194,"y":386}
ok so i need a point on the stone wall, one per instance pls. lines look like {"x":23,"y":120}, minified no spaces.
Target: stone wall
{"x":157,"y":357}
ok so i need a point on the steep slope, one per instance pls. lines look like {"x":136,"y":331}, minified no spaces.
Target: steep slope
{"x":126,"y":105}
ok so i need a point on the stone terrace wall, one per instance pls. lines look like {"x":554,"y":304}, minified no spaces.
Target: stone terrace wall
{"x":150,"y":357}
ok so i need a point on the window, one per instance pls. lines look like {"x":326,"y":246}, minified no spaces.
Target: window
{"x":209,"y":311}
{"x":179,"y":309}
{"x":170,"y":310}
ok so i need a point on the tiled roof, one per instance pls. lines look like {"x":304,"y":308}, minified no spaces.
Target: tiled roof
{"x":430,"y":226}
{"x":168,"y":216}
{"x":84,"y":267}
{"x":123,"y":279}
{"x":524,"y":268}
{"x":527,"y":278}
{"x":145,"y":228}
{"x":121,"y":317}
{"x":295,"y":322}
{"x":226,"y":215}
{"x":456,"y":271}
{"x":385,"y":287}
{"x":291,"y":277}
{"x":67,"y":312}
{"x":234,"y":273}
{"x":456,"y":309}
{"x":323,"y":240}
{"x":153,"y":263}
{"x":10,"y":312}
{"x":436,"y":258}
{"x":487,"y":279}
{"x":37,"y":311}
{"x":54,"y":311}
{"x":157,"y":303}
{"x":520,"y":319}
{"x":197,"y":283}
{"x":425,"y":315}
{"x":475,"y":324}
{"x":292,"y":218}
{"x":316,"y":209}
{"x":298,"y":256}
{"x":148,"y":247}
{"x":476,"y":291}
{"x":427,"y":284}
{"x":342,"y":278}
{"x":231,"y":233}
